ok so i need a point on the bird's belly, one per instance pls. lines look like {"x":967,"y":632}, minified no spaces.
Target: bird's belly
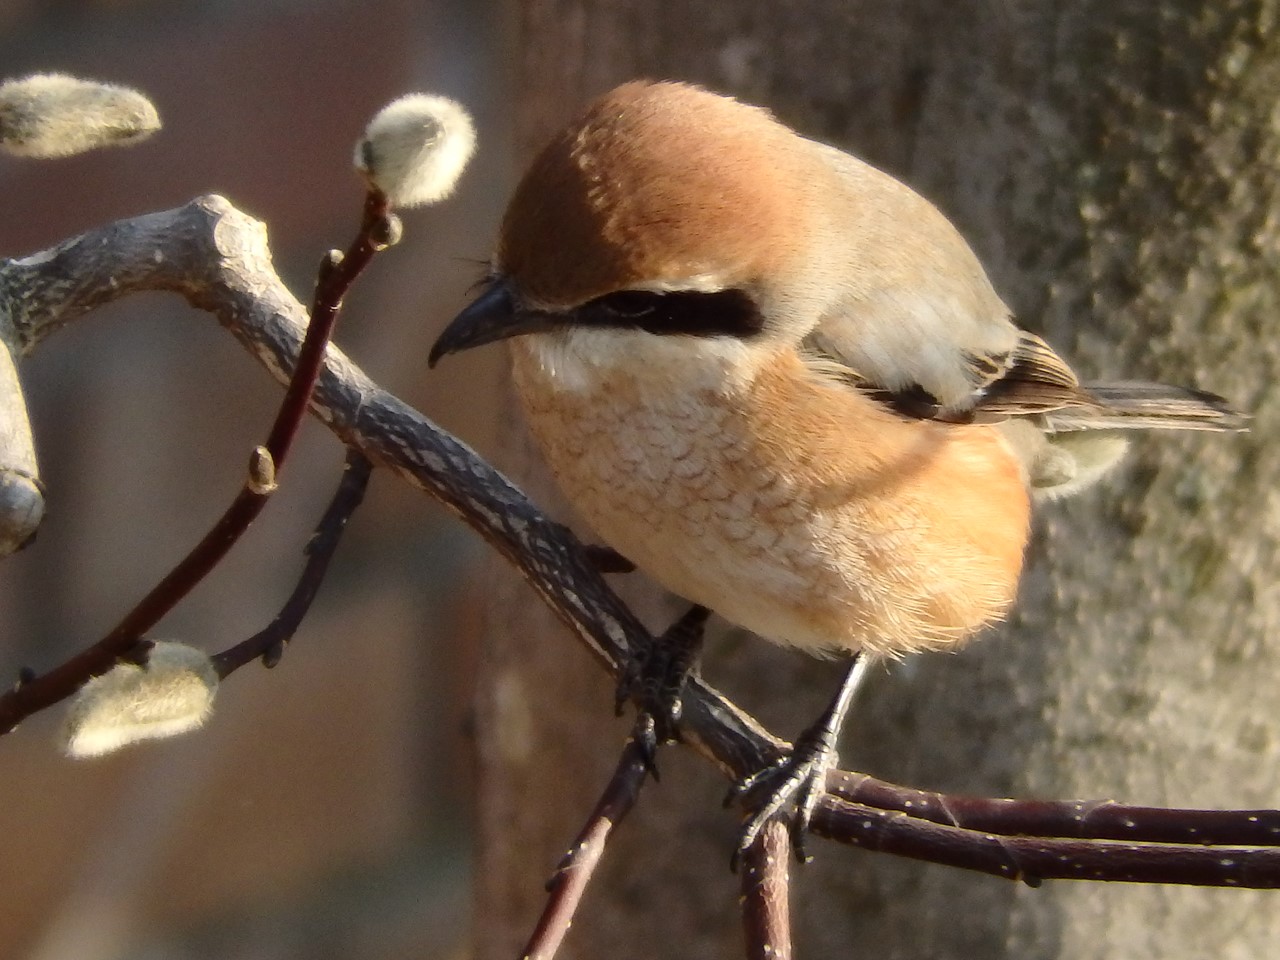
{"x":676,"y":507}
{"x":689,"y":495}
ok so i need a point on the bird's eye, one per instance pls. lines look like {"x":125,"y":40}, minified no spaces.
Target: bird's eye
{"x":629,"y":304}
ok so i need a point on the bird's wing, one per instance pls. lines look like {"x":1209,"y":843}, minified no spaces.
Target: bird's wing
{"x":1033,"y":381}
{"x":1022,"y":379}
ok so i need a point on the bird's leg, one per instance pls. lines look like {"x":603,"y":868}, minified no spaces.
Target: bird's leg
{"x":798,"y":779}
{"x":656,"y":675}
{"x":606,"y":559}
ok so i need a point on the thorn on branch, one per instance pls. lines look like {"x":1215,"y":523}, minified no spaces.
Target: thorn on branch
{"x":606,"y":559}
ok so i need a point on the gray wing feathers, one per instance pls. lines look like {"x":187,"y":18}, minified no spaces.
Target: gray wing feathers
{"x":1135,"y":405}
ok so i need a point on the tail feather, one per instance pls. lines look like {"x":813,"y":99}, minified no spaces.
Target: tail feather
{"x":1135,"y":405}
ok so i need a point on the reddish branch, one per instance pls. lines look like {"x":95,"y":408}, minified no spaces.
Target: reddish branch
{"x":766,"y":900}
{"x":218,"y":259}
{"x":569,"y":882}
{"x":1034,"y":859}
{"x":1078,"y":819}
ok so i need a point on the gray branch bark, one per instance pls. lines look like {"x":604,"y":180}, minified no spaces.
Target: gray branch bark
{"x":21,"y":499}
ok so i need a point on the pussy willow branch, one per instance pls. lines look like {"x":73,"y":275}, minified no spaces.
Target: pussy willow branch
{"x":337,"y":273}
{"x":218,"y":259}
{"x":21,"y":492}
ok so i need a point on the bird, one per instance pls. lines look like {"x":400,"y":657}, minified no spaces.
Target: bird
{"x":779,"y":381}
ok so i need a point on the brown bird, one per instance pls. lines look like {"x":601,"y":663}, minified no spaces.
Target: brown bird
{"x":780,"y":383}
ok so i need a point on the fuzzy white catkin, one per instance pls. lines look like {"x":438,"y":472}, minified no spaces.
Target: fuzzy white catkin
{"x":415,"y":148}
{"x":55,"y":115}
{"x":172,"y":694}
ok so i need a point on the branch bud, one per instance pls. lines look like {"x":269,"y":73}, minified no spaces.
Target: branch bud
{"x":171,"y":694}
{"x":262,"y":472}
{"x":415,"y":148}
{"x":55,"y":115}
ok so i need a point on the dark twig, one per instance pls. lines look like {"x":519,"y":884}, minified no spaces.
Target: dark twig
{"x":569,"y":882}
{"x":218,"y":259}
{"x":1033,"y":859}
{"x":766,"y":886}
{"x":337,"y":273}
{"x":269,"y":642}
{"x":1078,"y":819}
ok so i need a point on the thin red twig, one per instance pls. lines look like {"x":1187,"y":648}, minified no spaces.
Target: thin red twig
{"x":1075,"y":819}
{"x":569,"y":882}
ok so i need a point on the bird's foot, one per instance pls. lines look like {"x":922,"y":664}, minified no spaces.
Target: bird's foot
{"x":655,"y":678}
{"x":789,"y":788}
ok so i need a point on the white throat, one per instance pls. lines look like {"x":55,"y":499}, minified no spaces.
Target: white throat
{"x":581,"y":360}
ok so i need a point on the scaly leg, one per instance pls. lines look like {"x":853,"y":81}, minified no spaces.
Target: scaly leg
{"x":799,"y":779}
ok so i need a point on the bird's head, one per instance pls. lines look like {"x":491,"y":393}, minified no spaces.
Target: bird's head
{"x":663,"y":209}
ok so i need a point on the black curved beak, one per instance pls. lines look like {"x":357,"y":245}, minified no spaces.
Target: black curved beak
{"x":492,"y":316}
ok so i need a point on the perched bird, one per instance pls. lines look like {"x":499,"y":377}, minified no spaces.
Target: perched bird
{"x":779,"y":382}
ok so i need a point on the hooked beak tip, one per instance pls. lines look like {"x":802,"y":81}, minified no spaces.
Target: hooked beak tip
{"x":494,"y":315}
{"x":482,"y":321}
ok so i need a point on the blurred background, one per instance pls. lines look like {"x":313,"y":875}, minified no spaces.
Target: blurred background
{"x":323,"y":811}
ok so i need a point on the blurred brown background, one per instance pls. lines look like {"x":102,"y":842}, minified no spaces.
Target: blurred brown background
{"x":323,"y":812}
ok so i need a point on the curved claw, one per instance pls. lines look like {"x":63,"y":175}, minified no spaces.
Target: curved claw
{"x":607,"y":560}
{"x":799,"y":779}
{"x":647,"y":741}
{"x":789,"y":788}
{"x":655,"y":676}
